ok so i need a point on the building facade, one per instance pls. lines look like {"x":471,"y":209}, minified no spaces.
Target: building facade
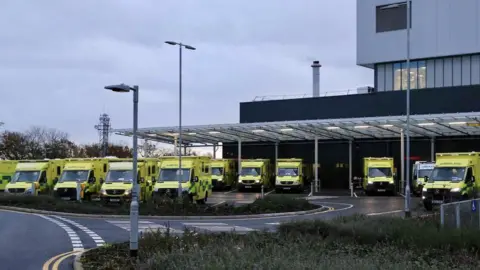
{"x":444,"y":43}
{"x":445,"y":66}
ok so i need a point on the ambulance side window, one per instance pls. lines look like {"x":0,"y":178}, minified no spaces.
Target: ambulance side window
{"x":43,"y":177}
{"x":149,"y":170}
{"x":192,"y":175}
{"x":104,"y":167}
{"x":469,"y":174}
{"x":59,"y":170}
{"x":153,"y":169}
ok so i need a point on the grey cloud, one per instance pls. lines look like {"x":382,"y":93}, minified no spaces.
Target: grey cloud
{"x":56,"y":56}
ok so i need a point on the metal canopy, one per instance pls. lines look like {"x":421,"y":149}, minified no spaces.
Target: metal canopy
{"x":432,"y":125}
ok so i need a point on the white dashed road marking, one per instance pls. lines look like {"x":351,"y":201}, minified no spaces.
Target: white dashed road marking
{"x":74,"y":239}
{"x":273,"y":223}
{"x":219,"y":227}
{"x":143,"y":226}
{"x":96,"y":238}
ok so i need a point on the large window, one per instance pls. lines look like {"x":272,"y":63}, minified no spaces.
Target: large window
{"x":418,"y":73}
{"x":432,"y":73}
{"x":392,"y":17}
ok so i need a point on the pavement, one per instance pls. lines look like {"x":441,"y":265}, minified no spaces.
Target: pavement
{"x":31,"y":241}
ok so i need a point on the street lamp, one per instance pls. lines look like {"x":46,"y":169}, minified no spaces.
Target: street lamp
{"x":123,"y":88}
{"x":407,"y":135}
{"x":188,"y":47}
{"x":407,"y":139}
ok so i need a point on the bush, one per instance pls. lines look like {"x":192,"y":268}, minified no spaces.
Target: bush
{"x":164,"y":206}
{"x":406,"y":233}
{"x":296,"y":245}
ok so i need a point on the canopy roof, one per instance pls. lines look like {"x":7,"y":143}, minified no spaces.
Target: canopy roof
{"x":432,"y":125}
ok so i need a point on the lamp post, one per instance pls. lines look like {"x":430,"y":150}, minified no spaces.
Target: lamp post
{"x":407,"y":137}
{"x":407,"y":109}
{"x":123,"y":88}
{"x":180,"y":48}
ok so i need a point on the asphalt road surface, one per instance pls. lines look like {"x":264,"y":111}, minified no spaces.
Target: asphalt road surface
{"x":31,"y":241}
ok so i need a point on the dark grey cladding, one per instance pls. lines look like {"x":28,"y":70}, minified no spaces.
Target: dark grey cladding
{"x":390,"y":103}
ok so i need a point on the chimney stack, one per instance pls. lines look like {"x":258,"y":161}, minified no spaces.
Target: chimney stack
{"x":316,"y":78}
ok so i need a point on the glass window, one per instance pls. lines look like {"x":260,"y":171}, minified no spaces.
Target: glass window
{"x":404,"y":76}
{"x":392,"y":17}
{"x":397,"y":76}
{"x":422,"y":75}
{"x":413,"y":75}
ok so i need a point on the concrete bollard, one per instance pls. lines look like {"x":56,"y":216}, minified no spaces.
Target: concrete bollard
{"x":79,"y":190}
{"x":262,"y":192}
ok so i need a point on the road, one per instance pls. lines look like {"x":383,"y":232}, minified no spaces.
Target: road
{"x":37,"y":238}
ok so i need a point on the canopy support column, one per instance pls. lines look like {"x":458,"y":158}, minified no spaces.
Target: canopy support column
{"x":402,"y":162}
{"x":239,"y":159}
{"x":432,"y":149}
{"x":350,"y":176}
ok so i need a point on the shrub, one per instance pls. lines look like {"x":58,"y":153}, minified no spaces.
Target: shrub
{"x":162,"y":207}
{"x":296,"y":245}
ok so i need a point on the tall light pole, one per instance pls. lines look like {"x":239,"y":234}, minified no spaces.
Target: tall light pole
{"x":407,"y":109}
{"x":180,"y":47}
{"x":123,"y":88}
{"x":407,"y":152}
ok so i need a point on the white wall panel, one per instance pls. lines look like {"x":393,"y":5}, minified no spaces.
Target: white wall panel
{"x":457,"y":71}
{"x":438,"y":72}
{"x":466,"y":70}
{"x":475,"y":69}
{"x":430,"y":73}
{"x":439,"y":28}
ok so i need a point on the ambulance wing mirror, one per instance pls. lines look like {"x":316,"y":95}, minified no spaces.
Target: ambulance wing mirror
{"x":195,"y":179}
{"x":154,"y":180}
{"x":102,"y":181}
{"x":55,"y":181}
{"x":425,"y":178}
{"x":472,"y":179}
{"x":92,"y":180}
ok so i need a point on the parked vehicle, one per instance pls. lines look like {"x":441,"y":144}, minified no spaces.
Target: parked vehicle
{"x":378,"y":175}
{"x":35,"y":176}
{"x":452,"y":179}
{"x":195,"y":178}
{"x":419,"y":171}
{"x":292,"y":174}
{"x":254,"y":174}
{"x":86,"y":173}
{"x":118,"y":183}
{"x":7,"y":170}
{"x":224,"y":173}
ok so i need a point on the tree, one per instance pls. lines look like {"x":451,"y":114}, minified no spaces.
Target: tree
{"x":95,"y":150}
{"x":49,"y":143}
{"x":15,"y":145}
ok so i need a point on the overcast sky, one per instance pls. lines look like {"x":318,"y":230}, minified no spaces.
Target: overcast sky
{"x":56,"y":56}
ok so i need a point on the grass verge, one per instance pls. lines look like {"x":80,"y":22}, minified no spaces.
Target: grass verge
{"x":357,"y":242}
{"x":162,"y":207}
